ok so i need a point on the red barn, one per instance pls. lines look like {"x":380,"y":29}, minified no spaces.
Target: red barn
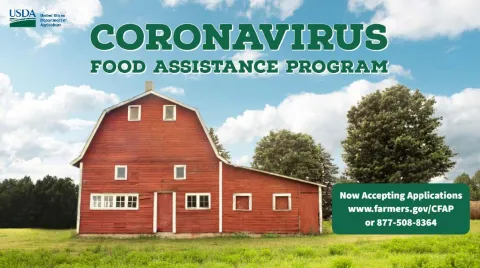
{"x":150,"y":166}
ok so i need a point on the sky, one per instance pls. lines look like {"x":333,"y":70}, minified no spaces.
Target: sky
{"x":49,"y":100}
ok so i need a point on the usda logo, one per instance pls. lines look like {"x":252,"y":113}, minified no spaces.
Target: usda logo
{"x":22,"y":18}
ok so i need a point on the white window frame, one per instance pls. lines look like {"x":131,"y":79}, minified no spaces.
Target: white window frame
{"x":174,"y":112}
{"x":102,"y":201}
{"x":116,"y":172}
{"x":198,"y":201}
{"x":175,"y":172}
{"x":249,"y":195}
{"x":282,"y":195}
{"x":139,"y":113}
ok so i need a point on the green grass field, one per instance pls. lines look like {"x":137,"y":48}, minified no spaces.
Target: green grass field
{"x":49,"y":248}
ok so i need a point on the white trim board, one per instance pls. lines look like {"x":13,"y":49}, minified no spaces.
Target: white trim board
{"x":116,"y":172}
{"x":126,"y":195}
{"x":220,"y":196}
{"x":139,"y":113}
{"x":165,"y":112}
{"x":198,"y":201}
{"x":320,"y":209}
{"x":155,"y":215}
{"x":174,"y":212}
{"x":175,"y":172}
{"x":79,"y":197}
{"x":249,"y":195}
{"x":274,"y":196}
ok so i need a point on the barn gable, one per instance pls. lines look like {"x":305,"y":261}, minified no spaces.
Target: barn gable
{"x":76,"y":161}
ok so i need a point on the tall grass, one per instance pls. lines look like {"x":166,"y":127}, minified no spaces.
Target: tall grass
{"x":423,"y":251}
{"x":48,"y":248}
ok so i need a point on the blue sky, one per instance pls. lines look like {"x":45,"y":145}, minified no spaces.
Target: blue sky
{"x":432,"y":46}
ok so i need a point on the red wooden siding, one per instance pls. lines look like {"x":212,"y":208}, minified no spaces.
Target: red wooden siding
{"x":242,"y":202}
{"x":165,"y":212}
{"x":281,"y":202}
{"x":262,"y":218}
{"x":308,"y":220}
{"x":150,"y":148}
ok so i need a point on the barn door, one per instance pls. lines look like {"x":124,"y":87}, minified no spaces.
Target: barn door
{"x":165,"y":212}
{"x":309,"y":213}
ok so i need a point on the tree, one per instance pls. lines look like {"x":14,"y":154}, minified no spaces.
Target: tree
{"x":49,"y":203}
{"x":56,"y":202}
{"x":345,"y":179}
{"x":475,"y":192}
{"x":473,"y":184}
{"x":463,"y":178}
{"x":16,"y":203}
{"x":392,"y":137}
{"x":221,"y":150}
{"x":296,"y":155}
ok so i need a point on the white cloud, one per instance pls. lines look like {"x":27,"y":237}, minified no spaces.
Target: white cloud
{"x":208,"y":4}
{"x":421,"y":19}
{"x":399,"y":70}
{"x":247,"y":55}
{"x":451,"y":49}
{"x":252,"y":55}
{"x":324,"y":117}
{"x":440,"y":180}
{"x":278,"y":8}
{"x":46,"y":112}
{"x":80,"y":14}
{"x":244,"y":160}
{"x":173,"y":90}
{"x":318,"y":114}
{"x":461,"y":127}
{"x":76,"y":123}
{"x":34,"y":128}
{"x":173,"y":3}
{"x":42,"y":40}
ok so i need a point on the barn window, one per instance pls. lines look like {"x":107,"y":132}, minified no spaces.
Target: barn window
{"x":242,"y":202}
{"x":114,"y":202}
{"x":282,"y":202}
{"x":132,"y":201}
{"x":180,"y":172}
{"x":108,"y":201}
{"x":96,"y":201}
{"x":120,"y":201}
{"x":197,"y":201}
{"x":120,"y":172}
{"x":169,"y":112}
{"x":134,"y":112}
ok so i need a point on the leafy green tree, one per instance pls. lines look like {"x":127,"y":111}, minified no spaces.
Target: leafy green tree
{"x":296,"y":155}
{"x":475,"y":192}
{"x":345,"y":179}
{"x":221,"y":150}
{"x":49,"y":203}
{"x":463,"y":178}
{"x":392,"y":137}
{"x":473,"y":183}
{"x":16,"y":203}
{"x":56,"y":202}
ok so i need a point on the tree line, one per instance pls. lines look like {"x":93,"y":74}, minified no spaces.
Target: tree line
{"x":48,"y":203}
{"x":472,"y":182}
